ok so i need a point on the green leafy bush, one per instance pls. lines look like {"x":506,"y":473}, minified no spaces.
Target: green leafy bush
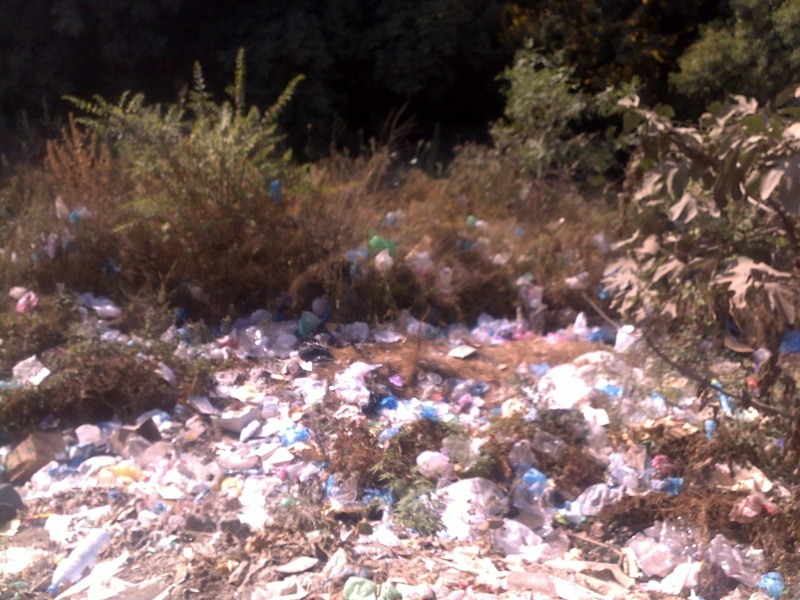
{"x":547,"y":115}
{"x":754,"y":52}
{"x":178,"y":196}
{"x":715,"y":209}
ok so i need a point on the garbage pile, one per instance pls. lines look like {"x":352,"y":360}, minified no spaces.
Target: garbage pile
{"x":405,"y":461}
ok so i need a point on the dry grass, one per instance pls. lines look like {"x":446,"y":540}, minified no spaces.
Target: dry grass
{"x":244,"y":258}
{"x":348,"y":201}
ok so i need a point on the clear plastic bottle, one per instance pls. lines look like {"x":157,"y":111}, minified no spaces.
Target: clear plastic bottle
{"x":82,"y":556}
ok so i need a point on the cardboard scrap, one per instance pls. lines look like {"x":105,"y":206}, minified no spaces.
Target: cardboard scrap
{"x":32,"y":453}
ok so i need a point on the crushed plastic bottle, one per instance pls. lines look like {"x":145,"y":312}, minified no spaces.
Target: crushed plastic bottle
{"x":671,"y":485}
{"x":388,"y":337}
{"x":759,"y":357}
{"x":710,"y":427}
{"x":433,"y":464}
{"x":420,"y":262}
{"x":654,"y":558}
{"x":83,"y":556}
{"x":548,"y":444}
{"x":725,"y":401}
{"x":592,"y":501}
{"x":626,"y":339}
{"x":682,"y":539}
{"x":356,"y":332}
{"x":104,"y":307}
{"x":521,"y":458}
{"x":580,"y":329}
{"x":740,"y":563}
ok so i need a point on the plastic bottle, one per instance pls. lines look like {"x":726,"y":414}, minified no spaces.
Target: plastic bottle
{"x":710,"y":427}
{"x":384,"y":261}
{"x":71,"y":568}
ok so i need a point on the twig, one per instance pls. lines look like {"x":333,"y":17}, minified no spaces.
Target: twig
{"x":704,"y":381}
{"x":601,"y":312}
{"x":686,"y":370}
{"x":583,"y":538}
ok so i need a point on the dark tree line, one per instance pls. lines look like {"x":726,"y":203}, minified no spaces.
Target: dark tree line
{"x":362,"y":59}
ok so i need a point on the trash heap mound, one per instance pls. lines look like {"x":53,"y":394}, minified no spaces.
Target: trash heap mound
{"x":293,"y":459}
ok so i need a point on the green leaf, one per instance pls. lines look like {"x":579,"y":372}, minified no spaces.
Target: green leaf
{"x":664,"y":110}
{"x":786,"y":95}
{"x":631,"y":120}
{"x":792,"y":112}
{"x":754,"y":124}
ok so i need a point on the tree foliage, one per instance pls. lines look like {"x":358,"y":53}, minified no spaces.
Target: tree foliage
{"x":547,"y":118}
{"x":753,"y":52}
{"x":609,"y":42}
{"x":715,"y":208}
{"x":362,"y":60}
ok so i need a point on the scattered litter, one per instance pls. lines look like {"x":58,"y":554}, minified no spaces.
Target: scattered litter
{"x":82,"y":557}
{"x":463,"y":351}
{"x":27,"y":302}
{"x":293,"y":472}
{"x":103,"y":307}
{"x":30,"y":371}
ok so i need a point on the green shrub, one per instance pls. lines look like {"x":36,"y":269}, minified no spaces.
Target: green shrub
{"x":548,"y":118}
{"x":418,"y":510}
{"x":754,"y":52}
{"x":171,"y":199}
{"x":200,"y":208}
